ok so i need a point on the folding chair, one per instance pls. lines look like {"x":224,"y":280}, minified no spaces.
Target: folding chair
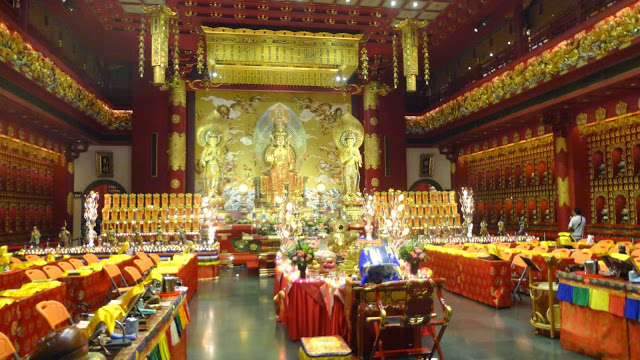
{"x":54,"y":313}
{"x":6,"y":348}
{"x":114,"y":273}
{"x":53,"y":272}
{"x":35,"y":274}
{"x":65,"y":266}
{"x":132,"y":275}
{"x":77,"y":264}
{"x":519,"y":261}
{"x":32,"y":258}
{"x":155,"y":258}
{"x":90,"y":259}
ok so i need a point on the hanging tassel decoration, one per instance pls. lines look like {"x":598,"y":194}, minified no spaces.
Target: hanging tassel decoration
{"x":200,"y":56}
{"x":425,"y":49}
{"x":395,"y":61}
{"x":364,"y":60}
{"x":141,"y":49}
{"x":176,"y":47}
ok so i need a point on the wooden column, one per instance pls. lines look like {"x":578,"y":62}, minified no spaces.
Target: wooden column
{"x":372,"y":139}
{"x":177,"y":137}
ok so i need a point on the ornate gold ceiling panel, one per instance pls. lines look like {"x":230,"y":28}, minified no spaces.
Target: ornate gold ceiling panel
{"x":265,"y":57}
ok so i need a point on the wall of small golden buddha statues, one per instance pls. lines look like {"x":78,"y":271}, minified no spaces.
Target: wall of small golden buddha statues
{"x":613,"y":146}
{"x":27,"y":167}
{"x":514,"y":180}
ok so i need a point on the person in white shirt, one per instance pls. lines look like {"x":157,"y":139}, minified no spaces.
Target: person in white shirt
{"x":577,"y":224}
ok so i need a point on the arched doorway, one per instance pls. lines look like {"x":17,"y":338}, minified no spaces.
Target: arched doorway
{"x":102,"y":187}
{"x":425,"y":185}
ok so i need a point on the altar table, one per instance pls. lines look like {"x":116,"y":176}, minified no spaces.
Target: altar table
{"x":309,"y":307}
{"x":599,"y":316}
{"x":167,"y":334}
{"x":93,"y":289}
{"x":23,"y":324}
{"x":486,"y":281}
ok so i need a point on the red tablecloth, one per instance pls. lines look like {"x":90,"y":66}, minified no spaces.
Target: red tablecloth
{"x":16,"y":278}
{"x":23,"y":324}
{"x":595,"y":333}
{"x":93,"y":289}
{"x":486,"y":281}
{"x":310,"y":308}
{"x":188,"y":273}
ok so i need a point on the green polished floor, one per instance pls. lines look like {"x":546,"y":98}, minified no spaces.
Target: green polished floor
{"x":233,"y":319}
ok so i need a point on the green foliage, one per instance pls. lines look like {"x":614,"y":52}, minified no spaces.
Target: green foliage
{"x":412,"y":252}
{"x":301,"y":254}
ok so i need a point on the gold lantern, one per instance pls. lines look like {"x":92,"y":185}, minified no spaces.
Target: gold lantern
{"x":409,"y":30}
{"x":159,"y":29}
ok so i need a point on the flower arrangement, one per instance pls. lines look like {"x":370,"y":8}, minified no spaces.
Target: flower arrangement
{"x":412,"y":252}
{"x":266,"y":228}
{"x":300,"y":254}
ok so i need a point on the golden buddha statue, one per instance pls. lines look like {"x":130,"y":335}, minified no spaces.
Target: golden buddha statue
{"x":348,"y":135}
{"x":280,"y":158}
{"x":213,"y":137}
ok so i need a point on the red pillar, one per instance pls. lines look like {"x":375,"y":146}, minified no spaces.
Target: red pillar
{"x":177,"y":137}
{"x":372,"y":138}
{"x":562,"y":168}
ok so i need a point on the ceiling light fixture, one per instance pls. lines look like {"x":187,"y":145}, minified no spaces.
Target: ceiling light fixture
{"x":475,"y":29}
{"x":415,"y":4}
{"x":338,"y":78}
{"x":393,"y":3}
{"x":508,"y":42}
{"x":490,"y":54}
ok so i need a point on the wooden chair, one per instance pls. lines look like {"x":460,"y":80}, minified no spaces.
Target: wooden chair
{"x":90,"y":259}
{"x":413,"y":313}
{"x":546,"y":310}
{"x":114,"y":274}
{"x":35,"y":274}
{"x":155,"y":258}
{"x":65,"y":266}
{"x":32,"y":258}
{"x":77,"y":264}
{"x":54,"y":313}
{"x":53,"y":272}
{"x":132,"y":275}
{"x":6,"y":348}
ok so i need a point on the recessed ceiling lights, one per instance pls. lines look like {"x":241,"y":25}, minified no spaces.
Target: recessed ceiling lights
{"x":475,"y":29}
{"x":490,"y":54}
{"x":393,"y":3}
{"x":469,"y":67}
{"x":338,"y":78}
{"x":415,"y":4}
{"x":509,"y":42}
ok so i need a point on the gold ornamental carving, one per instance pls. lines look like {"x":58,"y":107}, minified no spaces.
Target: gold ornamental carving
{"x":159,"y":29}
{"x":581,"y":119}
{"x":505,"y":140}
{"x":70,"y":167}
{"x":621,"y":108}
{"x":177,"y":151}
{"x":178,"y":94}
{"x":563,"y":192}
{"x":372,"y":91}
{"x":453,"y":168}
{"x":601,"y":114}
{"x":175,"y":118}
{"x":561,"y":144}
{"x":70,"y":204}
{"x":509,"y":149}
{"x":373,"y":121}
{"x":175,"y":183}
{"x":372,"y":151}
{"x":620,"y":123}
{"x":409,"y":29}
{"x":605,"y":38}
{"x":375,"y":182}
{"x":541,"y":130}
{"x":516,"y":137}
{"x":265,"y":57}
{"x":528,"y":134}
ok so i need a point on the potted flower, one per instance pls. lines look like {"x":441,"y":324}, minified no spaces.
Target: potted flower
{"x":413,"y":253}
{"x":301,"y":255}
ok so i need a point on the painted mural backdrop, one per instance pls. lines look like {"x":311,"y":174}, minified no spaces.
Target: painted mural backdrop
{"x":242,"y":110}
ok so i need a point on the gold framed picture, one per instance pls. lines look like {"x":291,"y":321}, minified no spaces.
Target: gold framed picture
{"x":104,"y":164}
{"x":426,"y":165}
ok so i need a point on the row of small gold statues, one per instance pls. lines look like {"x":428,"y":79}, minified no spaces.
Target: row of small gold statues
{"x":418,"y":197}
{"x":152,"y":200}
{"x":146,"y":227}
{"x":148,"y":213}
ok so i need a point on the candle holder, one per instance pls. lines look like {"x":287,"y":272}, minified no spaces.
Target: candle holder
{"x":243,"y":189}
